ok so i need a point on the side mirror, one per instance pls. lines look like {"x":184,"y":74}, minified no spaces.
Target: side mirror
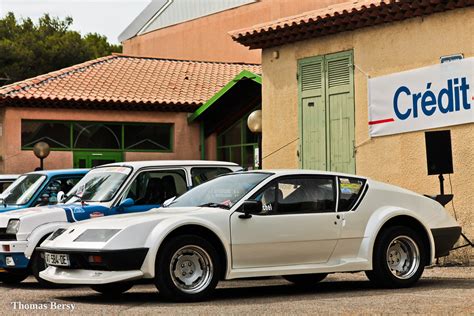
{"x":252,"y":207}
{"x":126,"y":203}
{"x":60,"y":196}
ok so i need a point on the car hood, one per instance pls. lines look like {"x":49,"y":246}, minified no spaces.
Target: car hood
{"x":25,"y":213}
{"x":125,"y":220}
{"x":132,"y":230}
{"x":31,"y":218}
{"x":8,"y":208}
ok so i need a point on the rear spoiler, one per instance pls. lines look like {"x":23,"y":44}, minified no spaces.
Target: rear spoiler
{"x":442,"y":199}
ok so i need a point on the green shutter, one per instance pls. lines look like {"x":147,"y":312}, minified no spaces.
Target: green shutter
{"x":312,"y":114}
{"x":340,"y":103}
{"x":327,"y":112}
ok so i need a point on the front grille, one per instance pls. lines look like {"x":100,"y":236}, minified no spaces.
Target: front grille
{"x":116,"y":260}
{"x":5,"y":236}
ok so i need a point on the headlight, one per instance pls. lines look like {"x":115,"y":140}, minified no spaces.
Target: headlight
{"x":13,"y":226}
{"x":97,"y":235}
{"x":56,"y":233}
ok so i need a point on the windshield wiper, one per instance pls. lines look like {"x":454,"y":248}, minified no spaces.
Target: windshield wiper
{"x":79,"y":197}
{"x":213,"y":204}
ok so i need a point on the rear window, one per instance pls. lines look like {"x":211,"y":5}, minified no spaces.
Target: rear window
{"x":200,"y":175}
{"x":349,"y":191}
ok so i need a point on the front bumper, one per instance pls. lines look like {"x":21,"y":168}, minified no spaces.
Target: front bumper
{"x":13,"y":260}
{"x":12,"y":254}
{"x":88,"y":277}
{"x":444,"y":239}
{"x":110,"y":260}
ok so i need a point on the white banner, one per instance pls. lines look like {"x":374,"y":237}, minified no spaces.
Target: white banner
{"x":424,"y":98}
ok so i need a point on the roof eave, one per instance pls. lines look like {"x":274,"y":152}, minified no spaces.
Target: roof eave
{"x":272,"y":34}
{"x":99,"y":105}
{"x":245,"y":74}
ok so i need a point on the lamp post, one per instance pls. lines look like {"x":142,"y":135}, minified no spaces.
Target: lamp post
{"x":41,"y":150}
{"x":254,"y":123}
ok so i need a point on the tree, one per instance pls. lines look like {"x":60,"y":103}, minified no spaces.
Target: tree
{"x":28,"y":49}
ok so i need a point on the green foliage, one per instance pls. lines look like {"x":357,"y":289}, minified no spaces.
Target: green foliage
{"x":28,"y":49}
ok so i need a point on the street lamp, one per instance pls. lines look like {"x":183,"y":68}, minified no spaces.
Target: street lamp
{"x":254,"y":123}
{"x":41,"y":150}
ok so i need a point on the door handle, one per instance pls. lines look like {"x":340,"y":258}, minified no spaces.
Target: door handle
{"x":245,"y":216}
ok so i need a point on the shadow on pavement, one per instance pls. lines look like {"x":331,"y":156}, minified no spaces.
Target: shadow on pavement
{"x":33,"y":285}
{"x":246,"y":294}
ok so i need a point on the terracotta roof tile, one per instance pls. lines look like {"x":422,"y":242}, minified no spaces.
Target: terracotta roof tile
{"x":137,"y":82}
{"x":337,"y":18}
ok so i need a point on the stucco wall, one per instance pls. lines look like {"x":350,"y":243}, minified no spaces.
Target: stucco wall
{"x":14,"y":160}
{"x":397,"y":159}
{"x":206,"y":38}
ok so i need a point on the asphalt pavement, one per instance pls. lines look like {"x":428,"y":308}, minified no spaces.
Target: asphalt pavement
{"x":440,"y":291}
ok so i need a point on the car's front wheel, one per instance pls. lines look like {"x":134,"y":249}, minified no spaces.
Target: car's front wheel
{"x":398,"y":259}
{"x":187,"y":269}
{"x":305,"y":280}
{"x":112,"y":289}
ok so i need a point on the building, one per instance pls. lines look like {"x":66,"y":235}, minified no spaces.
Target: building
{"x":332,"y":78}
{"x":197,"y":30}
{"x":116,"y":108}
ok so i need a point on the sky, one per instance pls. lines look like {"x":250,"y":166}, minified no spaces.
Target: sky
{"x":106,"y":17}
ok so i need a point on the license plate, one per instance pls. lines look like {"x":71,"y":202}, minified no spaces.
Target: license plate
{"x":55,"y":259}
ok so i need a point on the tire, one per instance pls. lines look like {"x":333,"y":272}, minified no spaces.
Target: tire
{"x":37,"y":265}
{"x":112,"y":289}
{"x":306,"y":280}
{"x":13,"y":277}
{"x":176,"y":272}
{"x":398,"y":259}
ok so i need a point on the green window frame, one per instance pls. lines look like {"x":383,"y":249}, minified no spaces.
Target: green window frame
{"x":227,"y":151}
{"x":120,"y":137}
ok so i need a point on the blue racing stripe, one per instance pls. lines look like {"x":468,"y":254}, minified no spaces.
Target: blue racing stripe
{"x":70,"y":217}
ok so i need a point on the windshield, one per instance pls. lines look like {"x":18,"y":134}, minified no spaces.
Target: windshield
{"x":22,"y":190}
{"x":222,"y":192}
{"x":99,"y":185}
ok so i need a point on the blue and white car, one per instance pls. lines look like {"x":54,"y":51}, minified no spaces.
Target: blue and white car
{"x":38,"y":188}
{"x":111,"y":189}
{"x":6,"y":180}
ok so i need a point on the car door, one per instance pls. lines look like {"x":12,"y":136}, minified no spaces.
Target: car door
{"x":298,"y":224}
{"x":152,"y":187}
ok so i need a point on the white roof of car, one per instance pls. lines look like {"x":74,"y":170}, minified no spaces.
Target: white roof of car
{"x":9,"y":176}
{"x":166,"y":163}
{"x":283,"y":172}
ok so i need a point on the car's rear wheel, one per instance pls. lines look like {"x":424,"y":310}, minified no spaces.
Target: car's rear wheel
{"x":187,"y":269}
{"x":112,"y":289}
{"x":14,"y":277}
{"x":398,"y":258}
{"x":306,"y":280}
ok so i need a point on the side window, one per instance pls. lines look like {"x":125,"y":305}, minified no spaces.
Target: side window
{"x":200,"y":175}
{"x":4,"y":185}
{"x":268,"y":199}
{"x":299,"y":195}
{"x":349,"y":191}
{"x":155,"y":187}
{"x":50,"y":193}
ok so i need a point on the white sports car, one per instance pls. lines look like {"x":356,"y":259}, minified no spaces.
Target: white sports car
{"x":299,"y":224}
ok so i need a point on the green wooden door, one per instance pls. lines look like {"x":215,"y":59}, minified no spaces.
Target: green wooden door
{"x":93,"y":159}
{"x":313,"y":114}
{"x":327,"y":112}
